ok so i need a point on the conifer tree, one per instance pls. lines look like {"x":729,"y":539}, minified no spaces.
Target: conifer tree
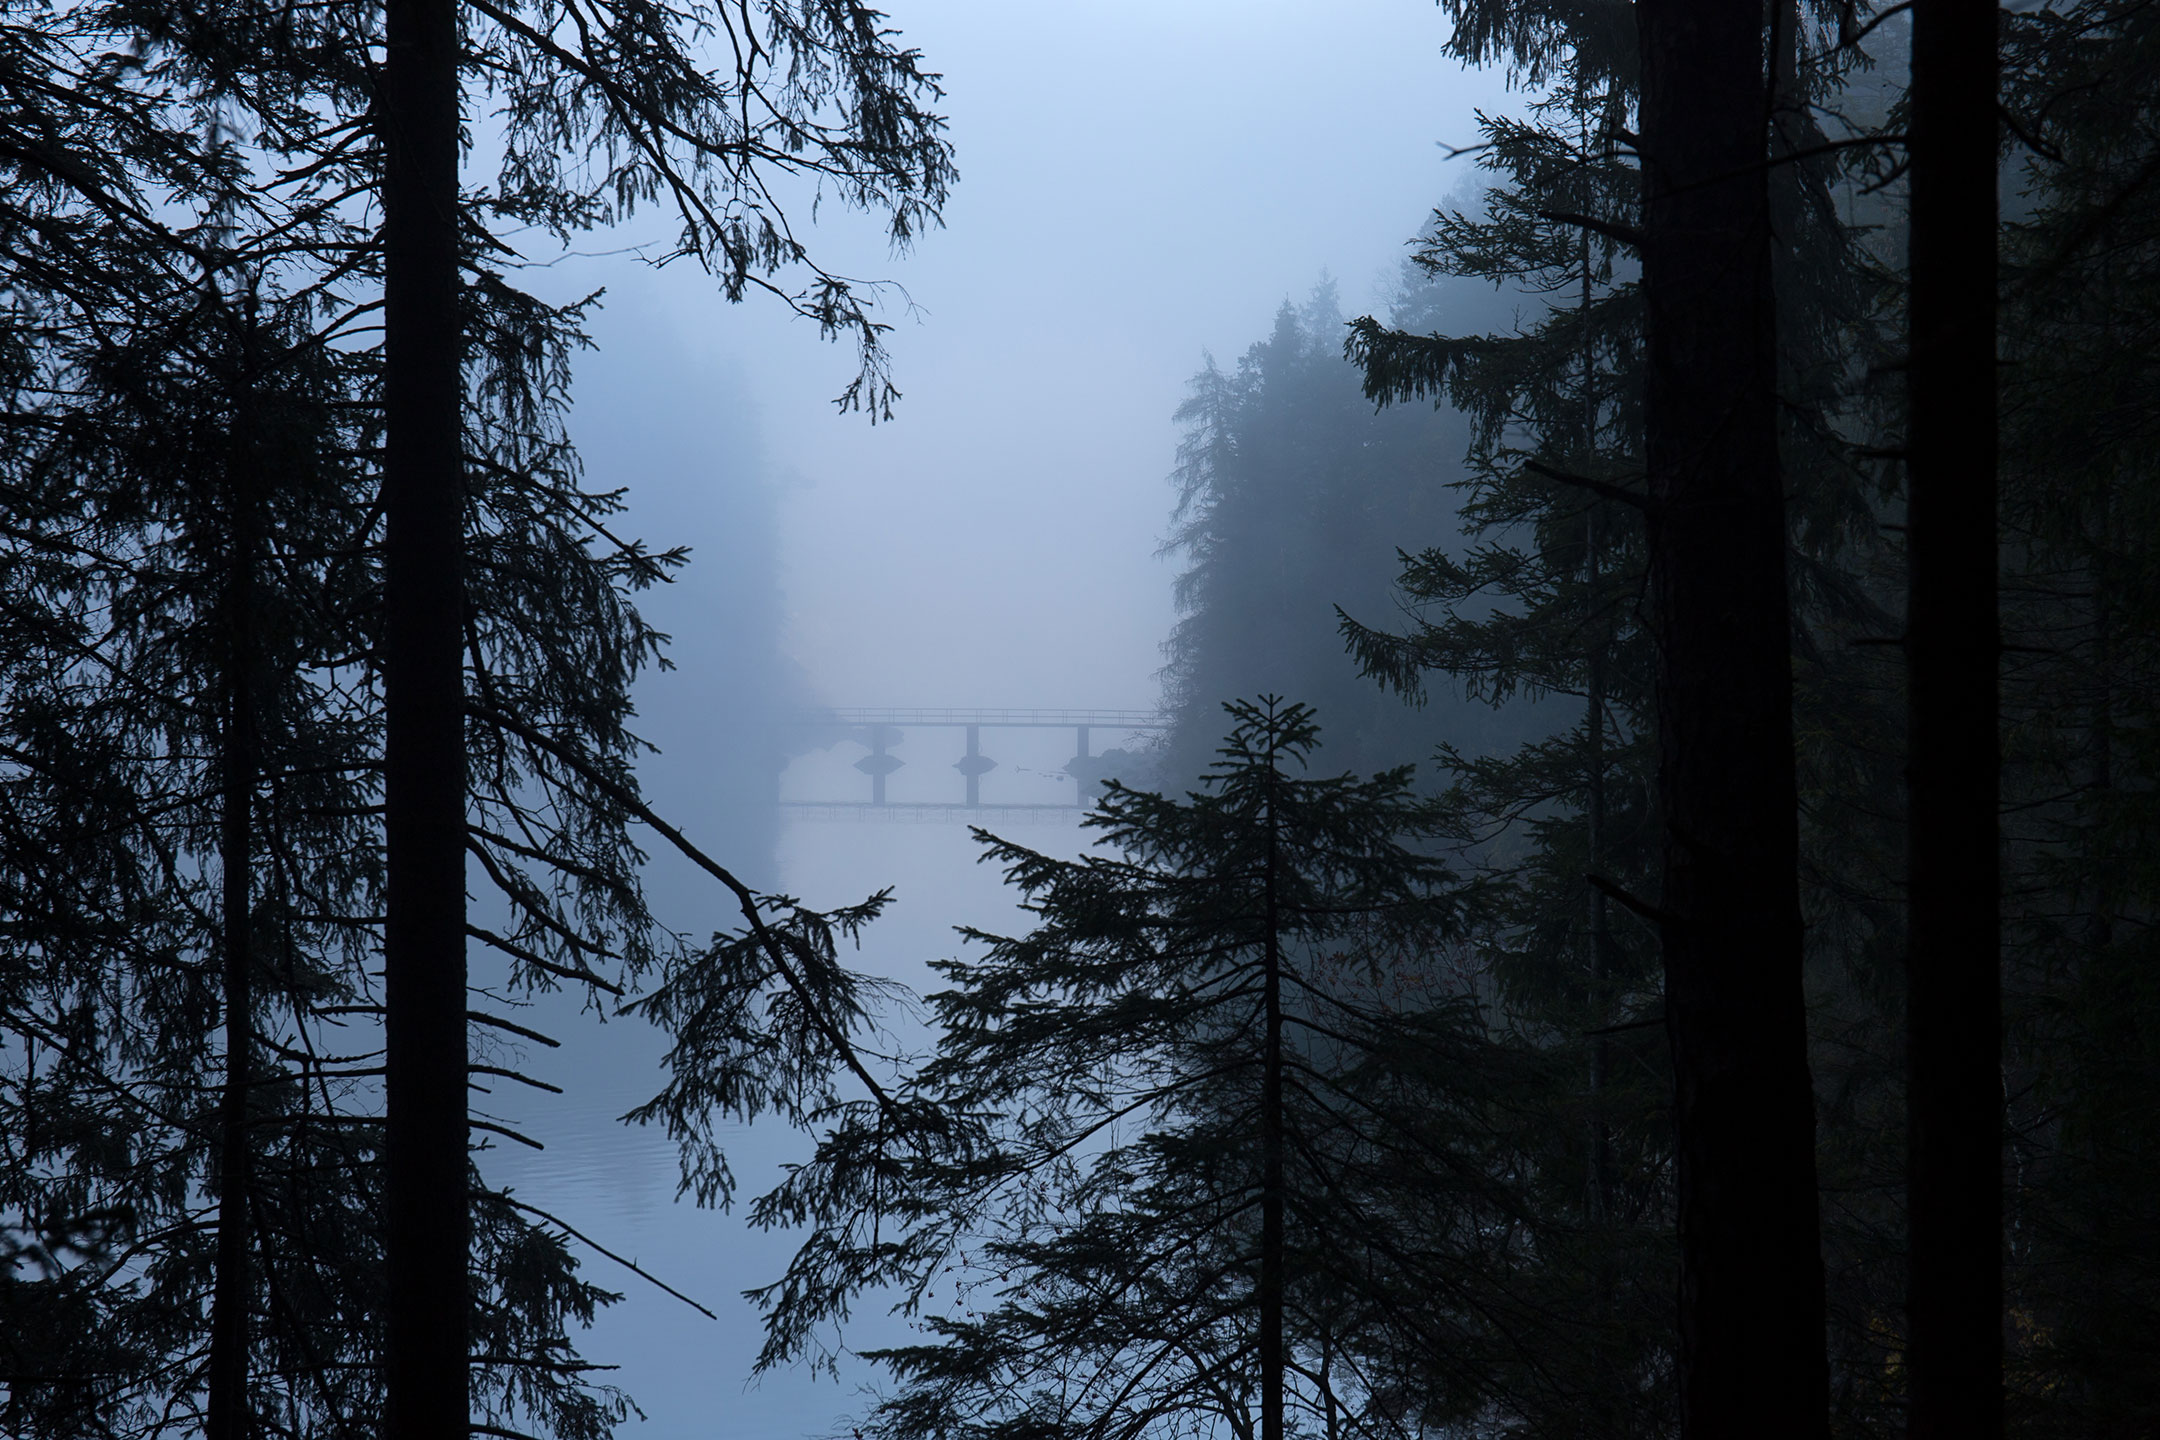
{"x":1575,"y":186}
{"x":1543,"y":608}
{"x":1291,"y":491}
{"x":1219,"y":1144}
{"x":705,"y":142}
{"x":543,"y":615}
{"x":213,"y":550}
{"x":143,"y":386}
{"x":2080,"y":296}
{"x":1751,"y":1308}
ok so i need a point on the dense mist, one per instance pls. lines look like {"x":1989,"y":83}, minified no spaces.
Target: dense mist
{"x":1008,"y":539}
{"x":1131,"y":722}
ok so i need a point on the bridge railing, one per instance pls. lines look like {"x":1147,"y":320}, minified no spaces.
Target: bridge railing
{"x":849,"y":716}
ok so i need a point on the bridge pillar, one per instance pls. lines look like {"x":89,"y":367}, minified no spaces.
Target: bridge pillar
{"x":877,"y":764}
{"x":1080,"y":783}
{"x":974,"y":765}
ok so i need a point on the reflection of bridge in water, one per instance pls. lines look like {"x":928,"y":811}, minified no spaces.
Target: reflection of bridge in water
{"x":878,"y":731}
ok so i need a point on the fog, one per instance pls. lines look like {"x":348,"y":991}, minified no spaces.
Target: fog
{"x":1142,"y":186}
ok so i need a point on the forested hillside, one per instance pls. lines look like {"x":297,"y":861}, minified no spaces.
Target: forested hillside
{"x":1642,"y":923}
{"x":1290,"y":488}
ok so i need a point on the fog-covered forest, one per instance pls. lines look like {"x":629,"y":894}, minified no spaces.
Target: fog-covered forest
{"x":1514,"y":791}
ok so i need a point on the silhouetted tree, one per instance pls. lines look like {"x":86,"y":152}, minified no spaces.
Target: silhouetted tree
{"x":630,"y":90}
{"x":212,"y":551}
{"x":142,"y":394}
{"x":541,"y":613}
{"x":1953,"y":764}
{"x":2080,"y":297}
{"x":1217,"y":1143}
{"x":1292,"y":496}
{"x":1542,"y":607}
{"x":1719,"y":624}
{"x":1751,"y":1288}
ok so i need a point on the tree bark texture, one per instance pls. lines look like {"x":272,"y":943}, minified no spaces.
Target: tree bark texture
{"x":1751,"y":1320}
{"x":425,"y":1230}
{"x":226,"y":1410}
{"x":1952,"y":645}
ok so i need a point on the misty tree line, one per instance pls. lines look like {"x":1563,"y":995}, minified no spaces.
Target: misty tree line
{"x":1567,"y":1097}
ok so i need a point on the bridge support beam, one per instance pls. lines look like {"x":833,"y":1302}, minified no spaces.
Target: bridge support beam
{"x":880,"y":730}
{"x":974,"y":765}
{"x":877,"y":764}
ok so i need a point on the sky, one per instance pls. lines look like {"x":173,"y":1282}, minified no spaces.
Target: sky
{"x":1141,"y":186}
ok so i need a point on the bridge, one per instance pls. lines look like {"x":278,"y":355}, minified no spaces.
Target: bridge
{"x":880,"y":731}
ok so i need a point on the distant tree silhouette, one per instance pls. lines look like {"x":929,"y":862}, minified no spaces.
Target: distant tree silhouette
{"x":1292,"y":496}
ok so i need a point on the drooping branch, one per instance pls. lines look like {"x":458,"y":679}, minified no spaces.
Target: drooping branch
{"x":747,"y":899}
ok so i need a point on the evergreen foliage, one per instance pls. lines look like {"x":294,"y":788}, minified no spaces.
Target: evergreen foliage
{"x":1289,"y":487}
{"x":192,"y":673}
{"x":1224,"y":1139}
{"x":1558,"y":463}
{"x":1309,"y":1104}
{"x":2080,"y":532}
{"x":1545,"y":605}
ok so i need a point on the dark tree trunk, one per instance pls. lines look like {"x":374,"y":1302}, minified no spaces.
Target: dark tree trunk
{"x":1752,"y":1358}
{"x":1272,"y":1366}
{"x":226,"y":1411}
{"x":1954,"y":1006}
{"x":1598,"y":1179}
{"x":1599,"y":1183}
{"x":425,"y":1224}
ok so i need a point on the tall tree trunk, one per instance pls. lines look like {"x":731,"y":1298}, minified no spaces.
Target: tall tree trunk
{"x":226,"y":1411}
{"x":425,"y":1225}
{"x":1598,"y":1198}
{"x":1272,"y":1367}
{"x":1752,"y":1359}
{"x":1599,"y":1416}
{"x":1599,"y":1181}
{"x":1952,"y":643}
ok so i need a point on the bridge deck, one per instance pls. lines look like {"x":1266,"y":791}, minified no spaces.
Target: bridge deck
{"x":988,"y":719}
{"x":925,"y":812}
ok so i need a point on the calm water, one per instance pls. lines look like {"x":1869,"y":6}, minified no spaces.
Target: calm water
{"x":616,"y":1183}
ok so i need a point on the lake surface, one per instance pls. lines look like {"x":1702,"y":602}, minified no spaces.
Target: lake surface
{"x":616,"y":1183}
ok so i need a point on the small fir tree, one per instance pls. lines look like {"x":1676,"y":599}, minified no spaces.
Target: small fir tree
{"x":1219,"y":1144}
